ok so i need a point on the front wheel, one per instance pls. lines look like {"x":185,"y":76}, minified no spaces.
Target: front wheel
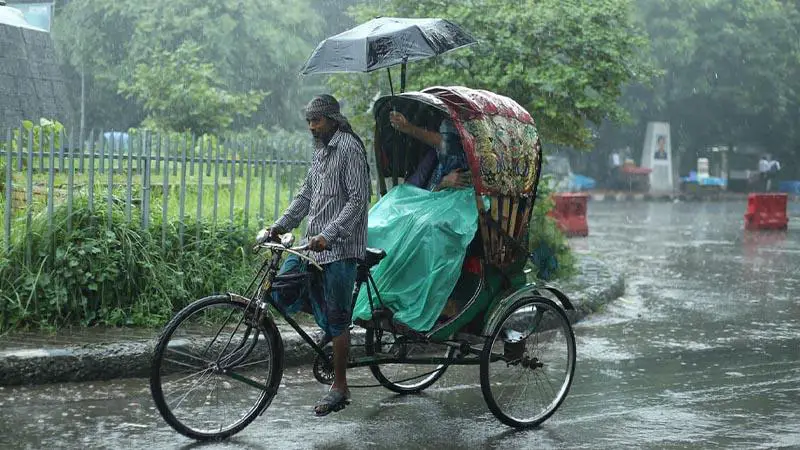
{"x":528,"y":362}
{"x":215,"y":369}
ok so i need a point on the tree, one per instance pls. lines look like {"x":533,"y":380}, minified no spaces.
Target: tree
{"x":730,"y":73}
{"x":564,"y":61}
{"x":253,"y":45}
{"x":179,"y":92}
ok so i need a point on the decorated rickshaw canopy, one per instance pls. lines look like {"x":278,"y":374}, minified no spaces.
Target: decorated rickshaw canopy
{"x":498,"y":135}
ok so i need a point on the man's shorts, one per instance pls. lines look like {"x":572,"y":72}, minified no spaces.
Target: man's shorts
{"x":330,"y":300}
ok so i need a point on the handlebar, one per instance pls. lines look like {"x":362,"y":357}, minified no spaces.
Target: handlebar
{"x":301,"y":252}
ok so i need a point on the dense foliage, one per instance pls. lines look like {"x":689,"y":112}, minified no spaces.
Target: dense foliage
{"x":101,"y":273}
{"x":729,"y":75}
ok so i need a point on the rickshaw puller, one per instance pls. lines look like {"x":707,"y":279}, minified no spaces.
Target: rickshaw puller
{"x":335,"y":198}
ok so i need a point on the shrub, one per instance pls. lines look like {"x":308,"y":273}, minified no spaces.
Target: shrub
{"x":116,"y":275}
{"x":550,"y":254}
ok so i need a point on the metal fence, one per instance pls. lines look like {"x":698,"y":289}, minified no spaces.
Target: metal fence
{"x":235,"y":181}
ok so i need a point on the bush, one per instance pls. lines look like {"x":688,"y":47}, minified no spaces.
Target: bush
{"x":120,"y":274}
{"x":42,"y":134}
{"x":550,"y":254}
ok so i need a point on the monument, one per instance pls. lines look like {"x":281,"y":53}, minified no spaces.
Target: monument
{"x":31,"y":83}
{"x":657,"y":155}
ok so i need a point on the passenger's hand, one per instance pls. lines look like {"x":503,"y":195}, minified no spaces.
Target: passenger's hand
{"x":318,"y":243}
{"x":398,"y":121}
{"x":459,"y":178}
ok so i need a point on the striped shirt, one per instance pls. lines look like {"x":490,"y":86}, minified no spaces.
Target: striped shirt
{"x":335,"y":198}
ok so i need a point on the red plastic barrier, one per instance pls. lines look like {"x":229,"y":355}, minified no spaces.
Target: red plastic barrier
{"x":766,"y":212}
{"x":570,"y":213}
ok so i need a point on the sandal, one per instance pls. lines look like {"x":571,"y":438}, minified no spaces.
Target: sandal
{"x":333,"y":401}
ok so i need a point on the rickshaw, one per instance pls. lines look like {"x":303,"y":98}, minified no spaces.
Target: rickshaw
{"x":518,"y":333}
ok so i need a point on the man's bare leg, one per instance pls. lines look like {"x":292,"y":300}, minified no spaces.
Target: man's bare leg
{"x":341,"y":346}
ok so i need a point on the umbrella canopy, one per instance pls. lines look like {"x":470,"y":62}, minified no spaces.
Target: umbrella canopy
{"x":385,"y":42}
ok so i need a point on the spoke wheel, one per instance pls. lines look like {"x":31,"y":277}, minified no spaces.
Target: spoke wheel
{"x":405,"y":378}
{"x":214,"y":371}
{"x":528,"y":363}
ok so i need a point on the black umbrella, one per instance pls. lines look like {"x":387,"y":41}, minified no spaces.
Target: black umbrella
{"x":384,"y":42}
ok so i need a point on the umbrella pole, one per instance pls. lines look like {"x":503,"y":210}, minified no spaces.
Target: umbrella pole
{"x":403,"y":78}
{"x":391,"y":88}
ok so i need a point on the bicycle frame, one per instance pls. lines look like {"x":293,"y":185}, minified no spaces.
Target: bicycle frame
{"x":269,"y":270}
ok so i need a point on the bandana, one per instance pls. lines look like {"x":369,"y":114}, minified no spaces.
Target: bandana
{"x":327,"y":106}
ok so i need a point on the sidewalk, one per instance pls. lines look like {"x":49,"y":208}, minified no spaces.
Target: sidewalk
{"x":110,"y":353}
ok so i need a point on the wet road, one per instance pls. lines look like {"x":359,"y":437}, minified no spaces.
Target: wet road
{"x":702,"y":352}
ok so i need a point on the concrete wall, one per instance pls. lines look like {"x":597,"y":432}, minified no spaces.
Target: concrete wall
{"x":31,"y":83}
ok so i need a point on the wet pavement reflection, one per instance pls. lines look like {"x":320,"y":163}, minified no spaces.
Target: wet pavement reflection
{"x":703,"y":351}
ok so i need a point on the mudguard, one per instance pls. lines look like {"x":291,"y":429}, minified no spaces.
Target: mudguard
{"x":495,"y":314}
{"x":562,"y":297}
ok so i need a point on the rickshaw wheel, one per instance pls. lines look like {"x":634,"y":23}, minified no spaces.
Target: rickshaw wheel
{"x":405,"y":378}
{"x":528,"y":362}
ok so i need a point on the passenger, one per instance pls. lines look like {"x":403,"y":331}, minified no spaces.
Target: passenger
{"x":445,"y":166}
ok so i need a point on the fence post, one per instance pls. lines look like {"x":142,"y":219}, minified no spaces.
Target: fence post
{"x":50,"y":177}
{"x":216,"y":185}
{"x":61,"y":147}
{"x":129,"y":196}
{"x":182,"y":202}
{"x":81,"y":143}
{"x":176,"y":157}
{"x":9,"y":189}
{"x":121,"y":151}
{"x":70,"y":178}
{"x":19,"y":148}
{"x":142,"y":144}
{"x":199,"y":188}
{"x":41,"y":147}
{"x":277,"y":190}
{"x":165,"y":193}
{"x":29,"y":201}
{"x":234,"y":146}
{"x":191,"y":168}
{"x":261,"y":197}
{"x":91,"y":171}
{"x":225,"y":159}
{"x":146,"y":184}
{"x":158,"y":155}
{"x":111,"y":181}
{"x":247,"y":187}
{"x":102,"y":138}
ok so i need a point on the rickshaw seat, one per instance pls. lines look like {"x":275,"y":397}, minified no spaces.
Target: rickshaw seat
{"x":374,"y":256}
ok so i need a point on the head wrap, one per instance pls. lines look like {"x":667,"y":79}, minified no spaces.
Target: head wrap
{"x":327,"y":106}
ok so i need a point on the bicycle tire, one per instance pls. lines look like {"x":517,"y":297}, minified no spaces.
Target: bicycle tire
{"x":274,"y":348}
{"x":558,"y":322}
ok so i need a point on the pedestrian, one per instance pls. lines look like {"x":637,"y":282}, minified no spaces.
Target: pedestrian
{"x":772,"y":172}
{"x":614,"y":165}
{"x":763,"y":170}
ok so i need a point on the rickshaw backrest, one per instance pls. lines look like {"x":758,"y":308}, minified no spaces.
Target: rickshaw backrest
{"x":503,"y":151}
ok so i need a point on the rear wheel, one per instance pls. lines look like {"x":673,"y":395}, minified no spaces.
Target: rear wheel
{"x":214,"y":370}
{"x":528,"y":363}
{"x":405,"y":378}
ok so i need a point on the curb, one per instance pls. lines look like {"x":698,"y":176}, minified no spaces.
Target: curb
{"x":629,"y":197}
{"x":595,"y":285}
